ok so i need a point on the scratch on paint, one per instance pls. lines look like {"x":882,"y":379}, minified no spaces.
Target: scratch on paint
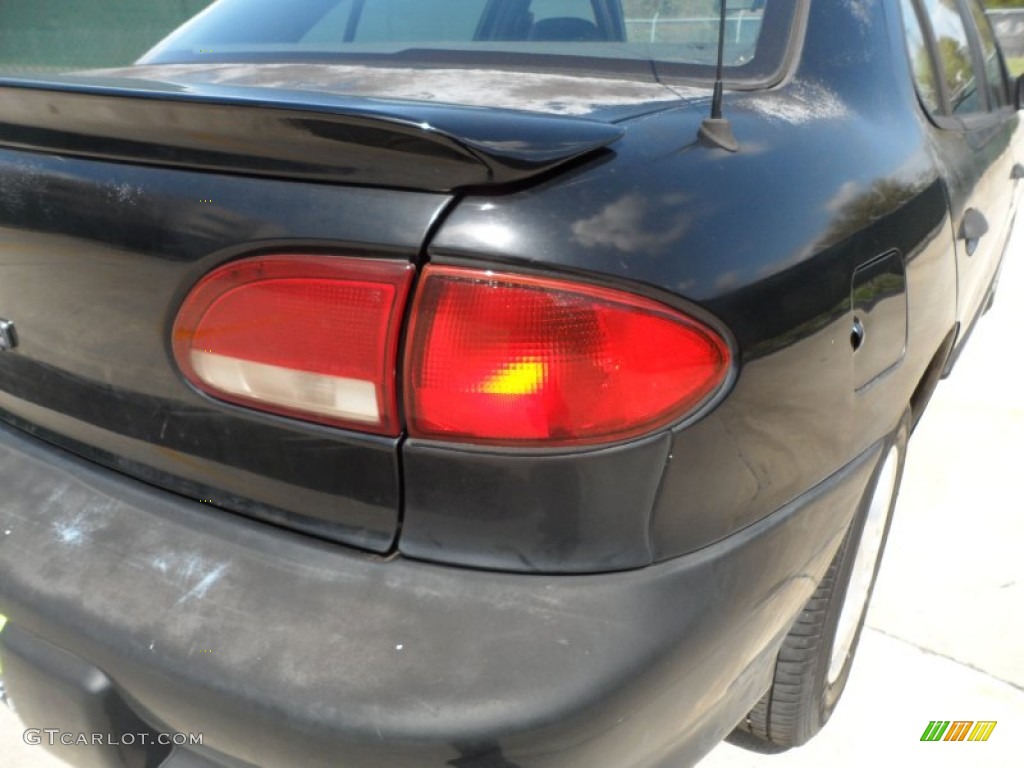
{"x":73,"y":531}
{"x":198,"y":592}
{"x":69,"y":533}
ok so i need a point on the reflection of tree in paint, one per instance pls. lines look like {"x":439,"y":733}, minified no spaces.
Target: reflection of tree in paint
{"x":883,"y":197}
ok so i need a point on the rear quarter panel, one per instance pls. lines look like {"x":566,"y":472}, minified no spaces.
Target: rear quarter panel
{"x":833,"y":171}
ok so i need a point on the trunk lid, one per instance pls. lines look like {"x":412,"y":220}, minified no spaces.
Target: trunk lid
{"x":95,"y":258}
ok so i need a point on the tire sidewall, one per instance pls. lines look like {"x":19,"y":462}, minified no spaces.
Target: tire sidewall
{"x":846,"y":556}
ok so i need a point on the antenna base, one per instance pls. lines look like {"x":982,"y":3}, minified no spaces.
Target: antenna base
{"x":717,"y":132}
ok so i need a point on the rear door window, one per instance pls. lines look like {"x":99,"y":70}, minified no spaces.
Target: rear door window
{"x":956,"y":65}
{"x":921,"y":62}
{"x":994,"y":73}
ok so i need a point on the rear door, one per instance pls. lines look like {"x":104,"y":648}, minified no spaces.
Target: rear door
{"x":993,"y":134}
{"x":963,"y":82}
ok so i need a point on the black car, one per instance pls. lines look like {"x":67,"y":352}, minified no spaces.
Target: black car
{"x":480,"y":383}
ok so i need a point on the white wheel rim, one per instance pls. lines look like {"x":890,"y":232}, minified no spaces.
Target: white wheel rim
{"x":868,"y":550}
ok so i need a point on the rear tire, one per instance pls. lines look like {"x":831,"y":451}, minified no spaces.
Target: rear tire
{"x":814,"y":662}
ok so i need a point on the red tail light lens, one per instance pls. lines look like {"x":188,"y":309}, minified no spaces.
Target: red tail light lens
{"x":525,"y":360}
{"x":312,"y":337}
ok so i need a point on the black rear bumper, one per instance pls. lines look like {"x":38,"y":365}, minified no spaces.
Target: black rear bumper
{"x":284,"y":651}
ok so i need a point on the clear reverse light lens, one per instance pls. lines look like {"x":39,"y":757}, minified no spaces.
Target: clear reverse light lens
{"x":313,"y":337}
{"x":339,"y":398}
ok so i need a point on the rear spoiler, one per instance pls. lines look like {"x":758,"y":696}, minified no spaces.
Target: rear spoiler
{"x":291,"y":134}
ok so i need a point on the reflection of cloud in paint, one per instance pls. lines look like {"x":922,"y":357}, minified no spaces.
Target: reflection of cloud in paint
{"x":846,"y":194}
{"x":494,"y":235}
{"x":802,"y":102}
{"x":626,"y":226}
{"x":534,"y":92}
{"x":860,"y":10}
{"x":727,"y":280}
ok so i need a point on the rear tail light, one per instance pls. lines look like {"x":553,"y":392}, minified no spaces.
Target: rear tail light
{"x":527,"y":360}
{"x":490,"y":358}
{"x":312,"y":337}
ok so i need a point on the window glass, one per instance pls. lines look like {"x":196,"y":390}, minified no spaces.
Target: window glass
{"x":40,"y":36}
{"x":998,"y":94}
{"x":695,"y":23}
{"x":417,"y":21}
{"x":677,"y":32}
{"x":920,"y":59}
{"x":554,"y":9}
{"x":565,"y":20}
{"x":678,"y":38}
{"x":332,"y":26}
{"x":955,"y":63}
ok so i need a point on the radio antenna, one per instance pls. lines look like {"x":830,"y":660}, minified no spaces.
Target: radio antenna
{"x":716,"y":131}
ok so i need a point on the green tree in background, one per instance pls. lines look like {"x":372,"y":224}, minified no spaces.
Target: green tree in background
{"x":957,"y":67}
{"x":47,"y":35}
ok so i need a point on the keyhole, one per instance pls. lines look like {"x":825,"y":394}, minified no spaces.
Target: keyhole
{"x":857,"y":334}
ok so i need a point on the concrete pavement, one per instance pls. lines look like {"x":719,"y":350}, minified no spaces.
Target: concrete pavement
{"x":945,"y":635}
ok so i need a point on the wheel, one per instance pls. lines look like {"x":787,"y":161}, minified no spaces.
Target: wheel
{"x":815,"y":659}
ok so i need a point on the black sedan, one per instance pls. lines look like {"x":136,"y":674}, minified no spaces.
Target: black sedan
{"x":394,"y":383}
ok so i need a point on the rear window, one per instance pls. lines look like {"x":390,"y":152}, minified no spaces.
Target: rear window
{"x":681,"y":34}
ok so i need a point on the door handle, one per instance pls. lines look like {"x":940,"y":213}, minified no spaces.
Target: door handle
{"x":1018,"y":172}
{"x":972,"y":228}
{"x":8,"y":336}
{"x":857,"y":334}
